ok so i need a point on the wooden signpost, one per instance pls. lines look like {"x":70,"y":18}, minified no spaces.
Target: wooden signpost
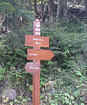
{"x":36,"y":54}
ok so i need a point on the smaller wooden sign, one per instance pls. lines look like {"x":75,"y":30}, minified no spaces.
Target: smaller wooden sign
{"x":36,"y":41}
{"x":33,"y":67}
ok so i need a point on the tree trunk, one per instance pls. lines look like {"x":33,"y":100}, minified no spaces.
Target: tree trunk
{"x":42,"y":12}
{"x":62,"y":8}
{"x":86,"y":7}
{"x":35,"y":9}
{"x":50,"y":9}
{"x":2,"y":19}
{"x":57,"y":9}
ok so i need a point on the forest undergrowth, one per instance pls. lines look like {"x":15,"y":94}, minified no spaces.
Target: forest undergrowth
{"x":63,"y":79}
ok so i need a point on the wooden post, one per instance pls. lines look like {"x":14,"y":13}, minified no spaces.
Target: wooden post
{"x":36,"y":89}
{"x":36,"y":76}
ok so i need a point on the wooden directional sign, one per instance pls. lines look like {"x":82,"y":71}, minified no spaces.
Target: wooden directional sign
{"x":34,"y":54}
{"x":37,"y":41}
{"x":33,"y":67}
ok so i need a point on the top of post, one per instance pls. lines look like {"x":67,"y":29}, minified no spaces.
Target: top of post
{"x":36,"y":27}
{"x":37,"y":20}
{"x":37,"y":23}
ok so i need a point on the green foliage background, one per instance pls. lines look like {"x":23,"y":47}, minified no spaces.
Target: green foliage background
{"x":64,"y":78}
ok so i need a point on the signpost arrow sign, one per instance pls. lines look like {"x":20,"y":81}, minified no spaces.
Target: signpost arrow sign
{"x":36,"y":41}
{"x":34,"y":54}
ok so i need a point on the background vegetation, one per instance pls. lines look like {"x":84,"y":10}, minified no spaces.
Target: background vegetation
{"x":64,"y":78}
